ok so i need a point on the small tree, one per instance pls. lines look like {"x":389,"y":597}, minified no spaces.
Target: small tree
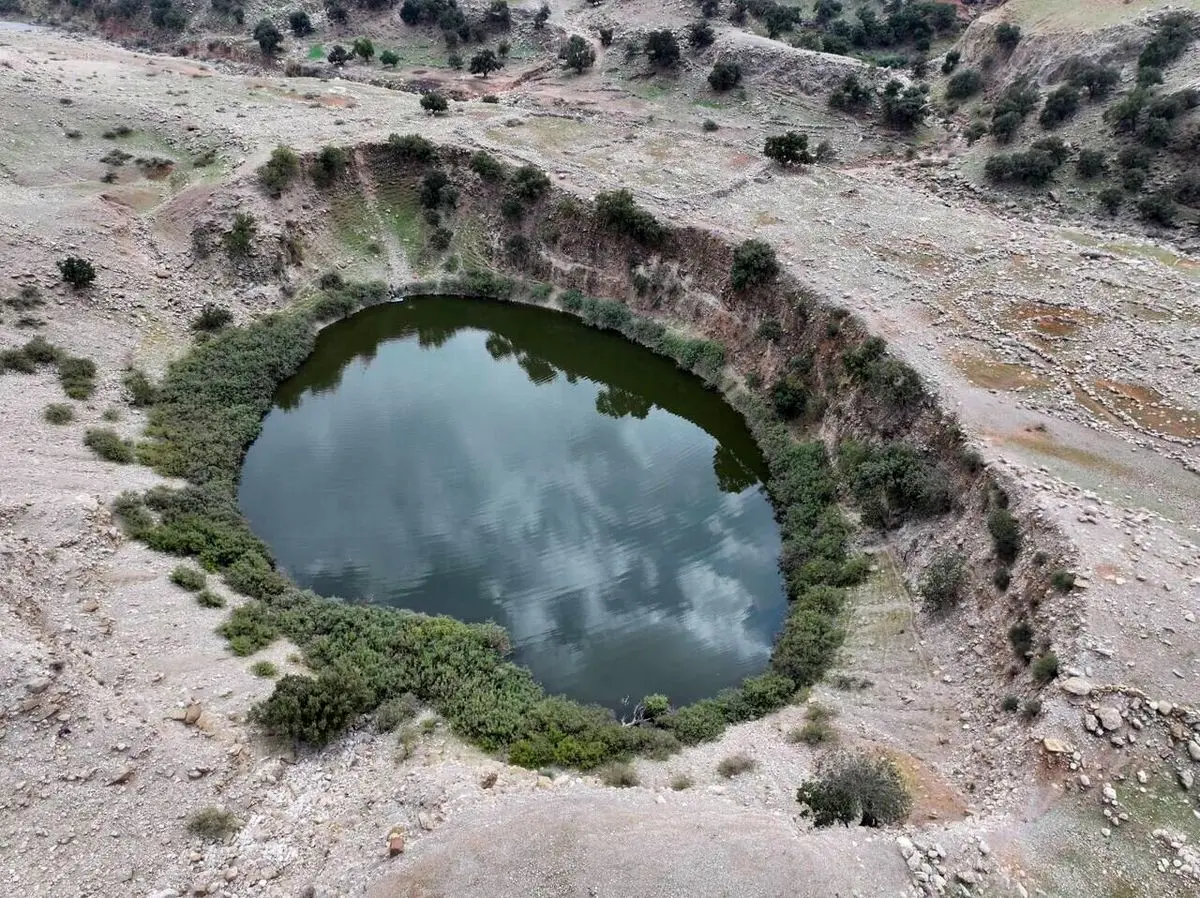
{"x":788,"y":149}
{"x":541,"y":17}
{"x":754,"y":263}
{"x":1061,"y":104}
{"x":484,"y":63}
{"x":725,"y":75}
{"x":852,"y":95}
{"x":701,"y":35}
{"x":338,"y":55}
{"x":904,"y":108}
{"x":963,"y":84}
{"x":328,"y":165}
{"x":389,"y":59}
{"x":578,"y":54}
{"x":434,"y":103}
{"x":1091,"y":164}
{"x":77,"y":272}
{"x":268,"y":36}
{"x":363,"y":48}
{"x":942,"y":582}
{"x":662,"y":48}
{"x":278,"y":171}
{"x":498,"y":15}
{"x":950,"y":62}
{"x":300,"y":23}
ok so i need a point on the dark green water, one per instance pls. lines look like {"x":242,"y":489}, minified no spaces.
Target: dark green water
{"x":500,"y":462}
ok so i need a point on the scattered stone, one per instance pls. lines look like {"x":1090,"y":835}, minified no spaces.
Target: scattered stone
{"x":1056,"y":746}
{"x":192,"y":714}
{"x":395,"y":841}
{"x":1076,"y":686}
{"x":1109,"y":717}
{"x":1194,"y":750}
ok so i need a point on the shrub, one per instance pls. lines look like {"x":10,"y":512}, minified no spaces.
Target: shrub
{"x":903,"y":108}
{"x":239,"y":239}
{"x":942,"y":582}
{"x":328,"y":165}
{"x":662,"y":48}
{"x":736,"y":765}
{"x":1061,"y":104}
{"x":606,"y":37}
{"x":529,"y":183}
{"x":1034,"y":167}
{"x":789,"y":398}
{"x":213,"y":824}
{"x":1062,"y":580}
{"x":577,"y":54}
{"x":893,"y":482}
{"x":1020,"y":637}
{"x":77,"y":272}
{"x":852,"y":95}
{"x":278,"y":172}
{"x":1172,"y":35}
{"x":788,"y":149}
{"x":206,"y":598}
{"x":363,"y":48}
{"x":109,"y":445}
{"x":59,"y":413}
{"x":964,"y":83}
{"x":1008,"y":35}
{"x":1015,"y":103}
{"x":1110,"y":199}
{"x":617,"y":210}
{"x":754,"y":263}
{"x":389,"y":59}
{"x":1002,"y":578}
{"x":700,"y":35}
{"x":814,"y":732}
{"x":1158,"y":208}
{"x":725,"y":75}
{"x":483,"y":63}
{"x":701,"y":721}
{"x":1091,"y":164}
{"x":268,"y":36}
{"x":338,"y":55}
{"x":440,"y":239}
{"x":1045,"y":668}
{"x":807,"y":644}
{"x":265,"y":669}
{"x":212,"y":317}
{"x":1098,"y":80}
{"x":252,"y":575}
{"x":1031,"y":708}
{"x":486,"y":166}
{"x":300,"y":23}
{"x":1006,"y":534}
{"x":618,"y":775}
{"x":188,"y":578}
{"x":394,"y":712}
{"x":1010,"y":704}
{"x":680,"y":781}
{"x":950,"y":62}
{"x":855,"y":789}
{"x":709,"y":125}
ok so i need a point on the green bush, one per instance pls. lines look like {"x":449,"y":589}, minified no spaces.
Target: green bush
{"x":213,"y":824}
{"x":1006,"y":534}
{"x":279,"y":171}
{"x":893,"y":482}
{"x":788,"y":149}
{"x":725,"y":75}
{"x":736,"y":765}
{"x":754,"y":263}
{"x":1002,"y":578}
{"x":1011,"y":704}
{"x":964,"y":83}
{"x":943,"y":581}
{"x":1031,"y":708}
{"x":77,"y":376}
{"x":1008,"y":35}
{"x":109,"y":445}
{"x":1062,"y":580}
{"x":617,"y":210}
{"x":239,"y":239}
{"x":852,"y":95}
{"x":77,"y":272}
{"x":1091,"y":163}
{"x":701,"y":721}
{"x":885,"y":376}
{"x":618,"y":775}
{"x":1045,"y":668}
{"x":59,"y":413}
{"x":855,"y":789}
{"x":206,"y":598}
{"x":264,"y":668}
{"x":1020,"y":637}
{"x":141,"y":391}
{"x":412,"y":148}
{"x":487,"y":167}
{"x":188,"y":577}
{"x":1061,"y":104}
{"x":680,"y":781}
{"x":396,"y":711}
{"x":212,"y":317}
{"x":328,"y":165}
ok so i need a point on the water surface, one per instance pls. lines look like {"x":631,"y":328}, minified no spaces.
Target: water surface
{"x":500,"y":462}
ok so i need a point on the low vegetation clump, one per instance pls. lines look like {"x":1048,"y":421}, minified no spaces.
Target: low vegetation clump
{"x":239,"y":239}
{"x":736,"y":765}
{"x":754,"y":264}
{"x":392,"y":714}
{"x":788,"y":149}
{"x":206,"y":598}
{"x":212,"y":317}
{"x":266,"y":669}
{"x":943,"y":581}
{"x":964,"y":83}
{"x":279,"y":171}
{"x":725,"y":75}
{"x":328,"y":165}
{"x":1006,"y":534}
{"x":617,"y":210}
{"x":434,"y":103}
{"x":856,"y":790}
{"x":894,"y":482}
{"x":189,"y":578}
{"x":1010,"y":704}
{"x":213,"y":824}
{"x":1062,"y":580}
{"x":109,"y":445}
{"x":77,"y":272}
{"x":59,"y":413}
{"x":77,"y":376}
{"x":1045,"y":668}
{"x":852,"y":95}
{"x":140,"y":391}
{"x":817,"y":729}
{"x":885,"y":377}
{"x":619,"y":775}
{"x":681,"y":781}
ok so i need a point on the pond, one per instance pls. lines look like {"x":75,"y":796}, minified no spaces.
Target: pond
{"x":501,"y":462}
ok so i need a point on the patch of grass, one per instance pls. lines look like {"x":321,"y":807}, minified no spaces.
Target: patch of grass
{"x":1010,"y":704}
{"x":265,"y":669}
{"x":1031,"y":708}
{"x":1045,"y":668}
{"x":59,"y":413}
{"x":188,"y":578}
{"x":618,"y":775}
{"x":206,"y":598}
{"x":736,"y":765}
{"x":111,"y":415}
{"x":213,"y":824}
{"x":1062,"y":580}
{"x":109,"y":445}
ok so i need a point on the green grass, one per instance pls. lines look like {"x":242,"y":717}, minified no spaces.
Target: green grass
{"x":59,"y":413}
{"x":316,"y":51}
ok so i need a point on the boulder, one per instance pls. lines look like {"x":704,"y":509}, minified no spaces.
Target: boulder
{"x":1076,"y":686}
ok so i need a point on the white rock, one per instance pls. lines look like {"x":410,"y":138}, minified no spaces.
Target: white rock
{"x":1109,"y":717}
{"x":1076,"y":686}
